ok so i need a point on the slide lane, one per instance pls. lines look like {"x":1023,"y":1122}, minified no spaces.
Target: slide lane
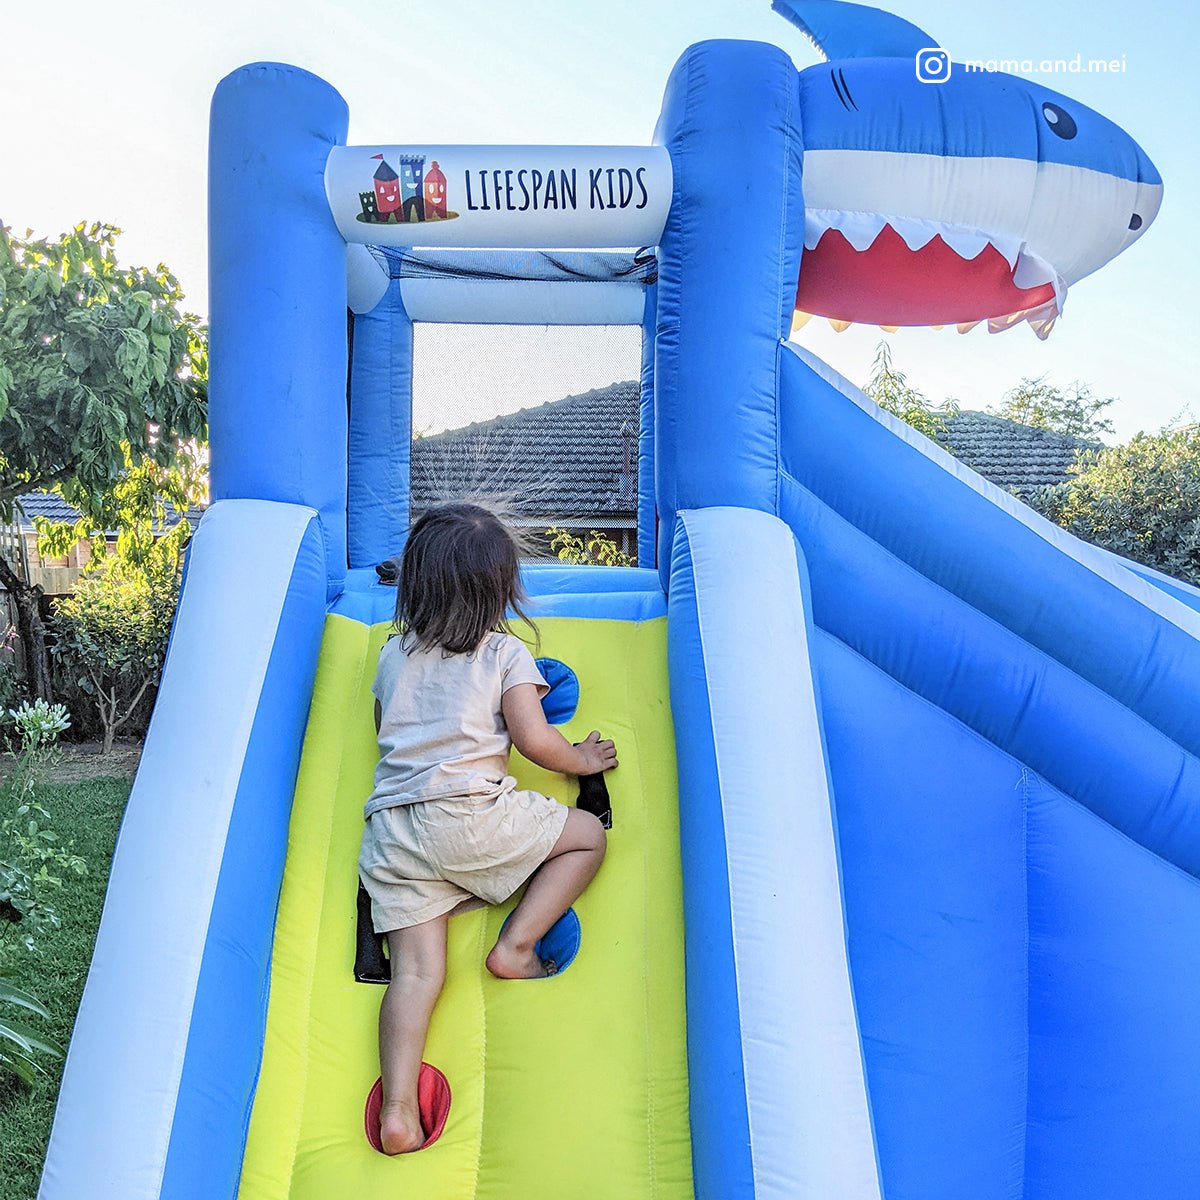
{"x":574,"y":1086}
{"x":1009,"y":721}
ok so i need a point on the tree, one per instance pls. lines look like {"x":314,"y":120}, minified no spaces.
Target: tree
{"x":889,"y":388}
{"x":147,"y":505}
{"x":99,"y":371}
{"x":1141,"y":500}
{"x":1074,"y":411}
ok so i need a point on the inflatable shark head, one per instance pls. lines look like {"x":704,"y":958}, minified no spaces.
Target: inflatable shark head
{"x":939,"y":194}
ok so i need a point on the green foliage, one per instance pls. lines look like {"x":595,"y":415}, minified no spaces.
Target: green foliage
{"x":111,"y":635}
{"x":98,"y":369}
{"x":101,"y":375}
{"x":889,"y":388}
{"x":32,"y":864}
{"x":32,"y":861}
{"x":148,"y":503}
{"x":19,"y":1043}
{"x":91,"y":809}
{"x":1073,"y":411}
{"x":595,"y":550}
{"x":1141,"y":500}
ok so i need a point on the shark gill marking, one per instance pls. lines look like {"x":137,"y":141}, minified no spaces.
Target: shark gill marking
{"x":842,"y":89}
{"x":846,"y":88}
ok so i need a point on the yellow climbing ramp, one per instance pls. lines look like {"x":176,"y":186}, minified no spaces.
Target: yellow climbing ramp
{"x":571,"y":1088}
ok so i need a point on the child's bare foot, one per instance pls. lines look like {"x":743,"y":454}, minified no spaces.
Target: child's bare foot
{"x":514,"y":962}
{"x":400,"y":1129}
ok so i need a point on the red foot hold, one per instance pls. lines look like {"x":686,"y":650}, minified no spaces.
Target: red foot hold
{"x":433,"y":1100}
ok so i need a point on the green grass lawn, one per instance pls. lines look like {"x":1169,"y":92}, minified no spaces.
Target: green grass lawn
{"x":88,"y":813}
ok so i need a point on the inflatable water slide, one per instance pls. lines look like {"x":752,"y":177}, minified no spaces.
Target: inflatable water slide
{"x":901,"y":896}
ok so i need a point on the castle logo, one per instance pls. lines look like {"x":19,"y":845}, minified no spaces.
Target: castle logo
{"x":415,"y":194}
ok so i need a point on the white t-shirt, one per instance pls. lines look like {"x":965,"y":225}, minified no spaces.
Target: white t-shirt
{"x":441,"y":730}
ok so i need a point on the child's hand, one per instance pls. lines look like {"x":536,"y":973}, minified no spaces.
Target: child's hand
{"x":595,"y":755}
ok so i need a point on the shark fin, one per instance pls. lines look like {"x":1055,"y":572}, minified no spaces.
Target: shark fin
{"x":839,"y":30}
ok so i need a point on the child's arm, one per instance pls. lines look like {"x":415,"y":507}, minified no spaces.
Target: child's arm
{"x":541,"y":743}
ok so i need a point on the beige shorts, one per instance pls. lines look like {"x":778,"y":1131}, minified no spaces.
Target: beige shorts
{"x":419,"y":861}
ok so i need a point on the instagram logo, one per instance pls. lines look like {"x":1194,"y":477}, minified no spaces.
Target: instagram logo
{"x":933,"y":65}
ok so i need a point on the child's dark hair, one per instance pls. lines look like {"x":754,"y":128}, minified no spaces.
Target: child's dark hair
{"x":459,"y":576}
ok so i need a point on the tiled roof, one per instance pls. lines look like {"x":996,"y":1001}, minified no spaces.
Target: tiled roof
{"x":563,"y":459}
{"x":1012,"y":455}
{"x":53,"y":507}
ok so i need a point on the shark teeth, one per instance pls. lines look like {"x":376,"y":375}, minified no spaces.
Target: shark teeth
{"x":1029,"y":270}
{"x":861,"y":229}
{"x":1041,"y":320}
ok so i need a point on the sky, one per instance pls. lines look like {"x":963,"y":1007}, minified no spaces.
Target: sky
{"x":106,"y":111}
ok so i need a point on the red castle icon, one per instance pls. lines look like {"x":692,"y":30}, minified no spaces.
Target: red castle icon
{"x":435,"y":192}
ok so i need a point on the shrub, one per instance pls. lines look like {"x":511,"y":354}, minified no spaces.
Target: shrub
{"x":595,"y":550}
{"x":111,"y":636}
{"x":1141,"y":500}
{"x":32,"y":863}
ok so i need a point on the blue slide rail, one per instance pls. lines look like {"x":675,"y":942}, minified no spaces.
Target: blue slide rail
{"x":171,"y":1022}
{"x":778,"y":1097}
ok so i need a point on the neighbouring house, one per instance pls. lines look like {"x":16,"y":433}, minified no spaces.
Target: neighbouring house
{"x":572,"y":463}
{"x":1013,"y":456}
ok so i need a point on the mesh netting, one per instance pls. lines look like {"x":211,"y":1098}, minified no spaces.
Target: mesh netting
{"x":540,"y":421}
{"x":538,"y":265}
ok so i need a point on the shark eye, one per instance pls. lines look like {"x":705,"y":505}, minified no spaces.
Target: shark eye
{"x":1060,"y":121}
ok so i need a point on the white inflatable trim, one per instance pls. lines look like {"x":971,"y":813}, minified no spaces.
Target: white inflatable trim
{"x":811,"y":1136}
{"x":522,"y":302}
{"x":366,"y":279}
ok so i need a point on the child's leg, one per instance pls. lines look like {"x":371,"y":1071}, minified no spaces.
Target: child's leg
{"x":418,"y":957}
{"x":552,"y":888}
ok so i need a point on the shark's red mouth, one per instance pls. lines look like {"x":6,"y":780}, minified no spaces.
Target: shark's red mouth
{"x":890,"y":283}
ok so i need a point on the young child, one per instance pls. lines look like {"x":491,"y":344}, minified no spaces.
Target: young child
{"x":447,"y":829}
